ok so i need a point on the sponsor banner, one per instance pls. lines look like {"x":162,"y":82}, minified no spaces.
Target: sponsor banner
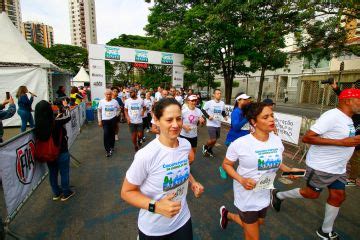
{"x":178,"y":77}
{"x":20,"y":172}
{"x":97,"y":78}
{"x":73,"y":127}
{"x":288,"y":127}
{"x":112,"y":53}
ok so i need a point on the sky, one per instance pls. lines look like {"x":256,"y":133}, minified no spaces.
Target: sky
{"x":113,"y":17}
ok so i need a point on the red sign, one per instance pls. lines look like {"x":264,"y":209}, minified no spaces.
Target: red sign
{"x":141,"y":65}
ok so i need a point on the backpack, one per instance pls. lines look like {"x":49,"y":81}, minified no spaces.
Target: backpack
{"x":47,"y":151}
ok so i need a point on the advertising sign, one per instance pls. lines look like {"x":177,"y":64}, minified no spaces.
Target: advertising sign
{"x":178,"y":77}
{"x":112,"y":53}
{"x":97,"y":78}
{"x":288,"y":127}
{"x":141,"y":56}
{"x":167,"y":58}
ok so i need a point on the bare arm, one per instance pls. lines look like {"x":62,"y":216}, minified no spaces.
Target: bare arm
{"x":313,"y":138}
{"x":131,"y":194}
{"x":127,"y":115}
{"x":228,"y":166}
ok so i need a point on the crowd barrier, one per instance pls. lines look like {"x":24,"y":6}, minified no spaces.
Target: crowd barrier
{"x":20,"y":173}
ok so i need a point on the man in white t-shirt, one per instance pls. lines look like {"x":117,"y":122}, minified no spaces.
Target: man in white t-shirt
{"x":158,"y":94}
{"x":332,"y":140}
{"x":214,"y":111}
{"x":134,"y":112}
{"x":108,"y":109}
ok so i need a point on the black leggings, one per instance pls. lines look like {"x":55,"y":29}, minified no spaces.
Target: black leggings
{"x":183,"y":233}
{"x":109,"y":133}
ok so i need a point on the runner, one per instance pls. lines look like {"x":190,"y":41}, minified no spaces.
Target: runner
{"x":134,"y":110}
{"x":260,"y":156}
{"x":238,"y":120}
{"x":157,"y":180}
{"x":214,"y":111}
{"x":115,"y":95}
{"x":148,"y":104}
{"x":192,"y":117}
{"x":333,"y":141}
{"x":107,"y":111}
{"x":158,"y":94}
{"x":179,"y":98}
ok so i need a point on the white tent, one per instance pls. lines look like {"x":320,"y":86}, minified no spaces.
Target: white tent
{"x":21,"y":64}
{"x":81,"y":78}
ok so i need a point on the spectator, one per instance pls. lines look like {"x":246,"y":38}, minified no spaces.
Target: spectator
{"x":61,"y":92}
{"x":75,"y":96}
{"x":24,"y":110}
{"x":5,"y":114}
{"x":49,"y":126}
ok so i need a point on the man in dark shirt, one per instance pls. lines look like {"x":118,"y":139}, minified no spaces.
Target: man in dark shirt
{"x":354,"y":162}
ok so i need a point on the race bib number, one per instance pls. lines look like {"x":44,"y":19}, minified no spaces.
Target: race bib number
{"x":266,"y":181}
{"x":218,"y":117}
{"x":107,"y":113}
{"x":180,"y":191}
{"x":134,"y":112}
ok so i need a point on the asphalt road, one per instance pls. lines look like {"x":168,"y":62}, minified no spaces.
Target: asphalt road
{"x":97,"y":212}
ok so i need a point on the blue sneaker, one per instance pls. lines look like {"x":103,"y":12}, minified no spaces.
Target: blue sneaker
{"x":223,"y":174}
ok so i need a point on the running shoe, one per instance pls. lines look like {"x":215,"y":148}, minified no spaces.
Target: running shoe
{"x":210,"y":152}
{"x":116,"y":137}
{"x":108,"y":154}
{"x":56,"y":197}
{"x":331,"y":235}
{"x":350,"y":183}
{"x":111,"y":151}
{"x":223,"y":174}
{"x":140,"y":142}
{"x":66,"y":197}
{"x":204,"y":150}
{"x":275,"y":201}
{"x":223,"y":217}
{"x":143,"y":139}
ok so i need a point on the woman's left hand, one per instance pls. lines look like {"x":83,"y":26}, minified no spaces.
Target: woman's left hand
{"x":197,"y":188}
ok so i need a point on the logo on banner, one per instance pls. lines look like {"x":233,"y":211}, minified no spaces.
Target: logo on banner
{"x":73,"y":121}
{"x":141,"y":56}
{"x":112,"y":53}
{"x":167,"y":58}
{"x":25,"y":162}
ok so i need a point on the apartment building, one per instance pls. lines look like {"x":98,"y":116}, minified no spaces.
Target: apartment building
{"x":38,"y":33}
{"x":82,"y":22}
{"x":12,"y":9}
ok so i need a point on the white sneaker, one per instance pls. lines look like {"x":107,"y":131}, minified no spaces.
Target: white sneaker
{"x":116,"y":137}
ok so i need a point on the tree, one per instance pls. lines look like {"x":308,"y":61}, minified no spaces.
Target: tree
{"x":67,"y":57}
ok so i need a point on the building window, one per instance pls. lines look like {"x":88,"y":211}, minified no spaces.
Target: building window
{"x":293,"y":82}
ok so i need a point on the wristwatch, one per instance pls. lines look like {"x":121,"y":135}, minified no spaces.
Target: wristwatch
{"x":152,"y":205}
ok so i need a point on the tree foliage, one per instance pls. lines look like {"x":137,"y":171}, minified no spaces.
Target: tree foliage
{"x":235,"y":37}
{"x":67,"y":57}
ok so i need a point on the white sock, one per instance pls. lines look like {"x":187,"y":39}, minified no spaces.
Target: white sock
{"x":293,"y":193}
{"x":331,"y":213}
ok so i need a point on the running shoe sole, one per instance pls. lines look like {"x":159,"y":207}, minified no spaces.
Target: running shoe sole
{"x":320,"y":235}
{"x":63,"y":199}
{"x":222,"y":209}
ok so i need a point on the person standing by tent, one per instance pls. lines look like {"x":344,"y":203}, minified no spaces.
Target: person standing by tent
{"x":24,"y":104}
{"x":61,"y":92}
{"x":49,"y":126}
{"x":5,"y":114}
{"x":75,"y":96}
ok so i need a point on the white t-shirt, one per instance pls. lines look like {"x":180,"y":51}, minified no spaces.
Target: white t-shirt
{"x":256,"y":158}
{"x":160,"y":170}
{"x":109,"y":109}
{"x":179,"y":99}
{"x":190,"y":117}
{"x":148,"y":104}
{"x":157,"y":96}
{"x":214,"y":109}
{"x":134,"y":108}
{"x":333,"y":124}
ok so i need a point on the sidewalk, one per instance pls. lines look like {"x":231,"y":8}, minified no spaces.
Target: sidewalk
{"x":97,"y":212}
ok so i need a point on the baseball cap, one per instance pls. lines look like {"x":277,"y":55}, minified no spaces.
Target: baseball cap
{"x":349,"y":93}
{"x":192,"y":97}
{"x":243,"y":96}
{"x":268,"y":101}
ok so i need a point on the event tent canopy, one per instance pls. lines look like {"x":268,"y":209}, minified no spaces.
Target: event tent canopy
{"x":15,"y":49}
{"x":81,"y":76}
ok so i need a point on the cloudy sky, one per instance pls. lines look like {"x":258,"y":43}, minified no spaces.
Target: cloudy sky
{"x":113,"y":17}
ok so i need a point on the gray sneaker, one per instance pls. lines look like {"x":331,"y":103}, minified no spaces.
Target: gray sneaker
{"x":330,"y":235}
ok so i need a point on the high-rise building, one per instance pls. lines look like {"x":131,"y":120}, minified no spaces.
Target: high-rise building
{"x":82,"y":22}
{"x":38,"y":33}
{"x":12,"y":9}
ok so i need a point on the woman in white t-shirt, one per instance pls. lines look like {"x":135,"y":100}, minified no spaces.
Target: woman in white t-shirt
{"x":260,"y":156}
{"x":192,"y":117}
{"x":157,"y":180}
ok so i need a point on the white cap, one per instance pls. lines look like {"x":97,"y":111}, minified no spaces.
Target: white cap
{"x":242,"y":96}
{"x":192,"y":97}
